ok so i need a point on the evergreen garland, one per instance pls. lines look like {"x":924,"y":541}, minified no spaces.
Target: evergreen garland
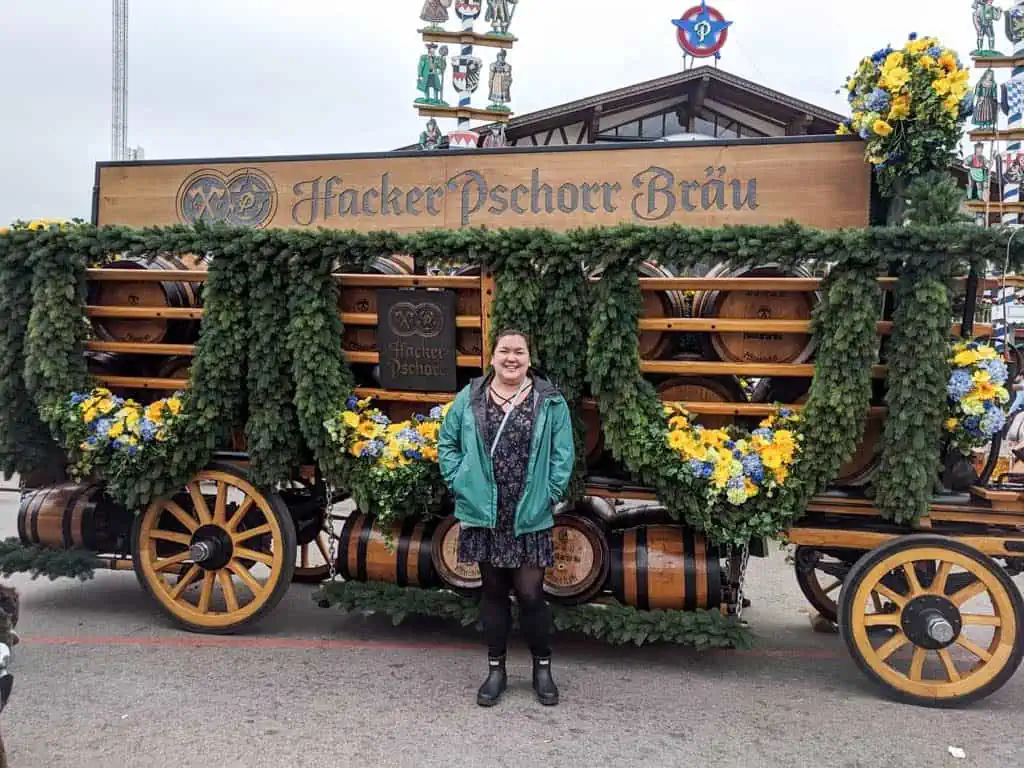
{"x":273,"y":439}
{"x":610,"y":622}
{"x":916,"y":396}
{"x":16,"y":557}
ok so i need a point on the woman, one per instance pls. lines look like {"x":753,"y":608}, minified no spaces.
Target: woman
{"x":506,"y":453}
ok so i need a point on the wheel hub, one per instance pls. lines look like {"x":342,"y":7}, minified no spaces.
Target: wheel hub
{"x":211,"y":547}
{"x":931,"y":621}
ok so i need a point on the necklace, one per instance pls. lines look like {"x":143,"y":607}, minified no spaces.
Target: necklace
{"x":504,"y":401}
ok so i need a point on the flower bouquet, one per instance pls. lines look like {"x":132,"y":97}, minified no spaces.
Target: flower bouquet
{"x":104,"y":431}
{"x":908,"y":105}
{"x":737,"y":467}
{"x":977,"y":396}
{"x":392,"y":468}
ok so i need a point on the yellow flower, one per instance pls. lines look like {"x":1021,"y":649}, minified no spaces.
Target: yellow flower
{"x":927,"y":62}
{"x":916,"y":46}
{"x":676,"y":440}
{"x":693,"y":448}
{"x":842,"y":130}
{"x":429,"y":429}
{"x":357,"y":447}
{"x":678,"y":422}
{"x":175,"y":405}
{"x":90,"y":415}
{"x":369,"y":429}
{"x":720,"y":474}
{"x":429,"y":453}
{"x":851,"y":85}
{"x":942,"y":86}
{"x":750,"y":487}
{"x":895,"y":78}
{"x":161,"y":435}
{"x":947,"y":61}
{"x":116,"y":429}
{"x":966,"y":358}
{"x":106,"y":405}
{"x":951,"y":425}
{"x":900,"y":108}
{"x":350,"y":419}
{"x":892,"y":61}
{"x":881,"y":128}
{"x":772,"y":457}
{"x":102,"y":392}
{"x":361,"y":404}
{"x":981,"y":377}
{"x":987,"y":353}
{"x":781,"y":473}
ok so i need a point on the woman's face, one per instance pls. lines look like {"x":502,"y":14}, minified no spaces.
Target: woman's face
{"x":511,"y":360}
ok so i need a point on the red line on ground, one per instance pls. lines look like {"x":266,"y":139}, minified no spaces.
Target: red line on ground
{"x":208,"y":641}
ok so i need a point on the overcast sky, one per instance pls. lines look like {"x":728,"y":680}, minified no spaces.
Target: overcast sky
{"x":210,"y":78}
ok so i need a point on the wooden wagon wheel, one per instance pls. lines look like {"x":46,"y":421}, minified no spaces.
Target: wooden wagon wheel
{"x":315,"y":526}
{"x":935,"y":645}
{"x":820,"y":574}
{"x":202,"y":553}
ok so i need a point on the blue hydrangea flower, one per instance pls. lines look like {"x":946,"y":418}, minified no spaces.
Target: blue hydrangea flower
{"x":935,"y":52}
{"x":148,"y":429}
{"x":435,"y":412}
{"x":412,"y":453}
{"x":737,"y":454}
{"x":730,"y":444}
{"x":102,"y":426}
{"x":380,"y":418}
{"x":992,"y":422}
{"x":762,"y":432}
{"x":785,"y":413}
{"x":751,"y":464}
{"x":878,"y":100}
{"x":960,"y":384}
{"x":91,"y":440}
{"x":996,"y":369}
{"x":132,"y":450}
{"x":78,"y":397}
{"x":737,"y":482}
{"x":351,"y":402}
{"x":374,"y":448}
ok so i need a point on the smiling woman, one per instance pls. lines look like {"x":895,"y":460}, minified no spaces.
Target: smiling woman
{"x":506,"y":451}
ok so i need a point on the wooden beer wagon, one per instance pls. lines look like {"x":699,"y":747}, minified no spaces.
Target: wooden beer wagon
{"x":927,"y":610}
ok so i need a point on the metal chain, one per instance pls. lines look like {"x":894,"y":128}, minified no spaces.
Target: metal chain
{"x":739,"y":586}
{"x":332,"y":538}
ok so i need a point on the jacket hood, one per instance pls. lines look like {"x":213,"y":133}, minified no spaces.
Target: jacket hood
{"x":541,"y":385}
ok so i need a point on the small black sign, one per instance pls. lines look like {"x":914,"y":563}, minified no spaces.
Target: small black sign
{"x":416,"y":338}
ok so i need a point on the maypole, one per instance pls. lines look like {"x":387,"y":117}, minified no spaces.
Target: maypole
{"x":466,"y":72}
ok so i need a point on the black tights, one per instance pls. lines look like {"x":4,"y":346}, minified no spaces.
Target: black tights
{"x":496,"y":613}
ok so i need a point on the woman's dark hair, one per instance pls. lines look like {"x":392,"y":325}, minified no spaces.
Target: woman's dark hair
{"x":511,"y":332}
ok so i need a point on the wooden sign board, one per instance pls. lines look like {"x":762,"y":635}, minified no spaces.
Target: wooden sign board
{"x":416,"y":338}
{"x":819,"y":182}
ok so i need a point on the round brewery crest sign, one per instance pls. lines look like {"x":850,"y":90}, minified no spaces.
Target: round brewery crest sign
{"x":702,"y":31}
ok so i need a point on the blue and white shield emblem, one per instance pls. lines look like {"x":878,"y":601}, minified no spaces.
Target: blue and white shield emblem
{"x":1013,"y":97}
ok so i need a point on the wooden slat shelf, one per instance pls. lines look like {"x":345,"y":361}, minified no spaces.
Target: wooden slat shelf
{"x":408,"y":281}
{"x":146,"y":275}
{"x":142,"y":382}
{"x":463,"y":113}
{"x":702,"y":368}
{"x":997,"y":62}
{"x":463,"y":361}
{"x":980,"y":206}
{"x":467,"y":38}
{"x":370,"y":318}
{"x":738,"y":325}
{"x":140,"y":348}
{"x":388,"y":395}
{"x":1015,"y":134}
{"x":163,"y":313}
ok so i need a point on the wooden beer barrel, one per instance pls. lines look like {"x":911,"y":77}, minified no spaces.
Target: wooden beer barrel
{"x":73,"y":516}
{"x":703,"y":389}
{"x":463,"y":578}
{"x":364,"y":556}
{"x":664,"y":567}
{"x":654,"y":345}
{"x":753,"y":346}
{"x":165,"y":294}
{"x":581,"y":560}
{"x":363,"y":300}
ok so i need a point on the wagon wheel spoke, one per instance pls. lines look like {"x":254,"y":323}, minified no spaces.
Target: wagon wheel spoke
{"x":251,"y":554}
{"x":890,"y":595}
{"x":228,"y":588}
{"x":882,"y":620}
{"x":830,"y":589}
{"x":164,"y":563}
{"x":323,"y":548}
{"x":240,"y":513}
{"x":917,"y":663}
{"x":938,"y":586}
{"x":910,"y":572}
{"x":973,"y":589}
{"x":177,"y":538}
{"x":199,"y":503}
{"x":970,"y":645}
{"x":190,"y":575}
{"x":251,"y":533}
{"x":182,"y":516}
{"x":981,"y":620}
{"x":220,"y":506}
{"x":890,"y":646}
{"x":207,"y":592}
{"x":947,"y":661}
{"x":247,"y":578}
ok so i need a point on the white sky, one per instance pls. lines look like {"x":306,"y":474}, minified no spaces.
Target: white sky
{"x":210,"y":78}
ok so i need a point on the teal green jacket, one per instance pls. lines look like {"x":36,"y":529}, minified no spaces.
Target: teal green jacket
{"x":465,"y":458}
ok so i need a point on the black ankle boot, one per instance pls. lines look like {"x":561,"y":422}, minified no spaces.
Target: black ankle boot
{"x":495,"y":683}
{"x":543,"y":683}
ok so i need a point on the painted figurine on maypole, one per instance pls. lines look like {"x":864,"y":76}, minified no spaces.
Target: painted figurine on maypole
{"x":986,"y":102}
{"x":985,"y":14}
{"x":435,"y":13}
{"x":977,"y":174}
{"x":500,"y":13}
{"x":500,"y":84}
{"x":430,"y":76}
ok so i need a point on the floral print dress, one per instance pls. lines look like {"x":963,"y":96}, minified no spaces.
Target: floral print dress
{"x":500,"y":546}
